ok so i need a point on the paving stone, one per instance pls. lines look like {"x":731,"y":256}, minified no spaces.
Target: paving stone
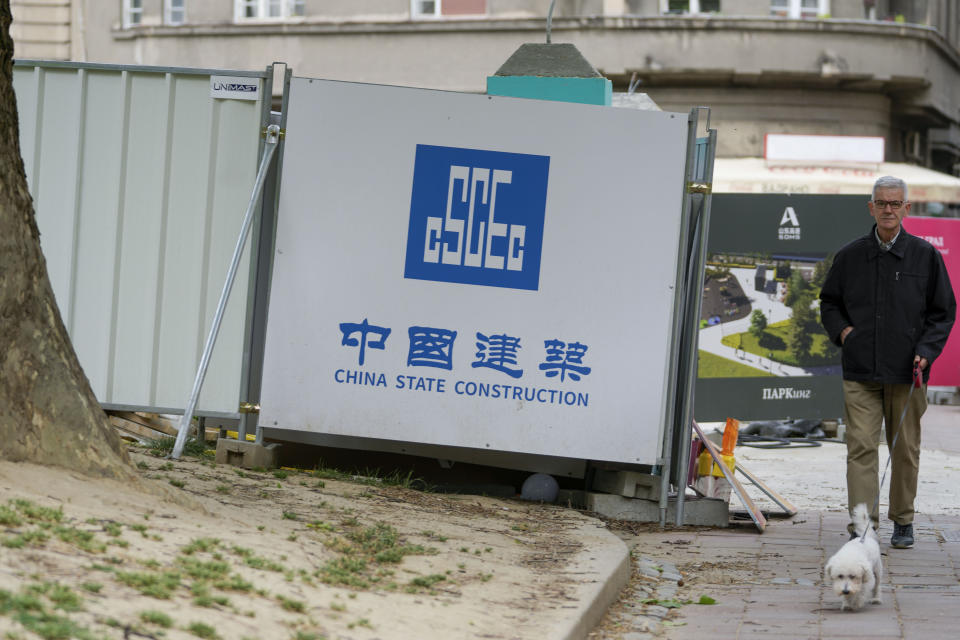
{"x":657,"y":611}
{"x":645,"y":625}
{"x":667,"y":591}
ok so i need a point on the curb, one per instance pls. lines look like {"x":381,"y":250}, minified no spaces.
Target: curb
{"x":653,"y":579}
{"x":601,"y":569}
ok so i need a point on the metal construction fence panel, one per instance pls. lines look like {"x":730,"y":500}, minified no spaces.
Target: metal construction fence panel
{"x":140,"y":177}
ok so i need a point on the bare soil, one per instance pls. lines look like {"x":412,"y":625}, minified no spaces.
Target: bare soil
{"x":196,"y":549}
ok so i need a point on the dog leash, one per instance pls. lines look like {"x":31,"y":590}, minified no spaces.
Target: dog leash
{"x":917,"y":383}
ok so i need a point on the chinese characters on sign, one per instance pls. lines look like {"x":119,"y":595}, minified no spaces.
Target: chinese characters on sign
{"x":498,"y":352}
{"x":350,"y":328}
{"x":433,"y":347}
{"x":565,"y":360}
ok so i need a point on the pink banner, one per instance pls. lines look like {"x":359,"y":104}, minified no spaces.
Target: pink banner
{"x":944,"y":234}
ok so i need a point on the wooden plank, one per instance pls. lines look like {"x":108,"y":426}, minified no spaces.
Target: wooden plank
{"x":150,"y":420}
{"x":755,"y":514}
{"x":780,"y":501}
{"x":135,"y":428}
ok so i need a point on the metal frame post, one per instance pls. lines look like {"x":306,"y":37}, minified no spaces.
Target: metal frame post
{"x":699,"y":192}
{"x":262,"y":246}
{"x":679,"y":303}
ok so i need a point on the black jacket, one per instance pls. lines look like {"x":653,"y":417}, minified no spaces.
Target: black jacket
{"x":899,"y":303}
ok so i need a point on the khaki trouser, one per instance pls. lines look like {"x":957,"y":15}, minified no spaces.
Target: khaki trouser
{"x":866,"y":405}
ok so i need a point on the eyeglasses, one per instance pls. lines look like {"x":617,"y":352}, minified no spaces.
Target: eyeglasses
{"x":882,"y":204}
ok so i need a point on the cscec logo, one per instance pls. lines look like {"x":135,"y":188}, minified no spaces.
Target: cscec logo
{"x":476,"y":217}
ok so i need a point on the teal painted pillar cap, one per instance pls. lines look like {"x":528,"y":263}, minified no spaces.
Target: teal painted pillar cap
{"x":550,"y":72}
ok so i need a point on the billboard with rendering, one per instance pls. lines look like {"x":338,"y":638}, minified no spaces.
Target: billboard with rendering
{"x":762,"y":352}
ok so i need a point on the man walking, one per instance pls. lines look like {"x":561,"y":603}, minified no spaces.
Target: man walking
{"x":887,"y":302}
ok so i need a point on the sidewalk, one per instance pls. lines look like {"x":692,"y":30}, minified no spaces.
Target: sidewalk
{"x":771,"y":584}
{"x":784,"y":595}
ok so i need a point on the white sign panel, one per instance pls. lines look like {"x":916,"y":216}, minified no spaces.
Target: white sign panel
{"x":234,"y":87}
{"x":792,"y":148}
{"x":474,"y":271}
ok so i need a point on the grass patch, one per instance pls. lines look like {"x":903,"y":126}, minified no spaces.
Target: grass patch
{"x":255,"y":561}
{"x":233,"y":583}
{"x":192,"y":447}
{"x":64,"y":597}
{"x":775,"y":339}
{"x":350,"y":572}
{"x":290,"y":604}
{"x":433,"y":535}
{"x":157,"y":617}
{"x":361,"y":551}
{"x":203,"y":597}
{"x":710,"y":365}
{"x":264,"y":564}
{"x":9,"y":517}
{"x":85,"y":540}
{"x":205,"y":545}
{"x":369,"y":476}
{"x":36,"y":513}
{"x":27,"y":608}
{"x":92,"y":587}
{"x":202,"y":630}
{"x":159,"y":585}
{"x":427,"y":582}
{"x":200,"y":570}
{"x":33,"y":538}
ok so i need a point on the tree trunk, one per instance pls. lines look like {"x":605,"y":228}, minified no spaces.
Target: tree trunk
{"x":48,"y":413}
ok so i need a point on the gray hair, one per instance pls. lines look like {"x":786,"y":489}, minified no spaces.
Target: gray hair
{"x":889,"y":182}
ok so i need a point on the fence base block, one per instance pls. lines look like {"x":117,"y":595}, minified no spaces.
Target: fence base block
{"x":704,"y":512}
{"x":246,"y":454}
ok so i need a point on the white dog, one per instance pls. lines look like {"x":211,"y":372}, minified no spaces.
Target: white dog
{"x":855,"y":569}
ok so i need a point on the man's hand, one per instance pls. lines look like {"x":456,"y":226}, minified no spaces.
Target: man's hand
{"x":923,"y":362}
{"x":845,"y":332}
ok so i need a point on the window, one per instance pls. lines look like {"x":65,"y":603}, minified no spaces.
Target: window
{"x":690,"y":6}
{"x":810,"y":8}
{"x":267,"y":9}
{"x":174,"y":12}
{"x":440,"y":8}
{"x":425,"y":8}
{"x":799,"y":8}
{"x":132,"y":13}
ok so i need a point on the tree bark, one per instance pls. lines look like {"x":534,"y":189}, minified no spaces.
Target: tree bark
{"x":48,"y":413}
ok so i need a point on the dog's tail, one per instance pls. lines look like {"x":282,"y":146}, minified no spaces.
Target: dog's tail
{"x":860,"y":518}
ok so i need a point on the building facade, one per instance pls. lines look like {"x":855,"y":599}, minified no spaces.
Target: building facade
{"x":886,"y":68}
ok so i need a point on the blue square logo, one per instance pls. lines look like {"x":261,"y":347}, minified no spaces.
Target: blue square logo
{"x":476,"y":217}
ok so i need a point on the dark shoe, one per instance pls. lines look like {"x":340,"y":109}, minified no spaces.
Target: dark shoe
{"x":902,"y":536}
{"x":853,"y":535}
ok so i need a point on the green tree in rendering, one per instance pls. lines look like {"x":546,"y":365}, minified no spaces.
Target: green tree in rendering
{"x":758,"y":323}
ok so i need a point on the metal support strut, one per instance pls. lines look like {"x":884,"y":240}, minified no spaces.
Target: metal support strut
{"x":272,"y":138}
